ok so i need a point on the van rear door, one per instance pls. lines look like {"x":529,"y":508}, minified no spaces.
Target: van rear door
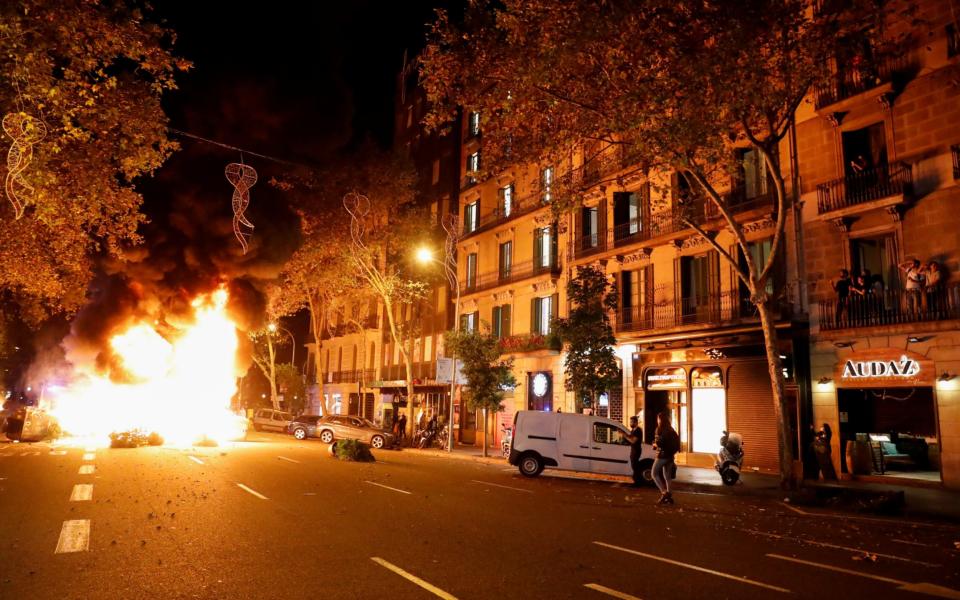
{"x":573,"y":442}
{"x":609,"y":448}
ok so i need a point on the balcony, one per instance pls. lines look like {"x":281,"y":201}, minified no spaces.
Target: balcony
{"x":846,"y":194}
{"x":723,"y":308}
{"x":660,"y":224}
{"x":516,"y":272}
{"x":737,"y":202}
{"x":351,"y":376}
{"x":589,"y":245}
{"x":890,"y":307}
{"x":518,"y":207}
{"x":850,"y":81}
{"x":606,"y":165}
{"x":528,"y":342}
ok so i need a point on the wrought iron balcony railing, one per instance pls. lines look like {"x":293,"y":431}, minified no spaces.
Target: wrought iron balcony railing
{"x":502,"y":214}
{"x":736,"y":201}
{"x":850,"y":80}
{"x":890,"y":307}
{"x":711,"y":309}
{"x":868,"y":185}
{"x":352,"y":376}
{"x":516,"y":272}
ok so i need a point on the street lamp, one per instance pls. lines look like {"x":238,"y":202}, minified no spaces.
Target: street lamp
{"x":273,"y":327}
{"x":424,"y":255}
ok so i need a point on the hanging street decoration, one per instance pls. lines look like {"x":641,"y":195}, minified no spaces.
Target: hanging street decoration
{"x":242,"y":177}
{"x":25,"y":131}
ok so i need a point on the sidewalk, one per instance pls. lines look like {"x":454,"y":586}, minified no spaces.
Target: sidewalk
{"x":857,"y":496}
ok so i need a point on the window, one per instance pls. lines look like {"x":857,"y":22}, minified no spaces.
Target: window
{"x":604,"y":433}
{"x":435,"y":176}
{"x":699,"y":280}
{"x":505,"y":207}
{"x":500,"y":321}
{"x":544,"y":248}
{"x":636,"y":296}
{"x":471,"y":270}
{"x":541,"y":311}
{"x":506,"y":259}
{"x":627,"y":214}
{"x":469,"y":321}
{"x":473,"y":166}
{"x":470,"y":213}
{"x":589,"y":227}
{"x":953,"y":41}
{"x":546,"y":185}
{"x":409,"y":117}
{"x":473,"y":124}
{"x":754,"y":174}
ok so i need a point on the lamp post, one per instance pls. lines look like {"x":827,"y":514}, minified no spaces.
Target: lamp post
{"x":273,"y":327}
{"x":424,"y":255}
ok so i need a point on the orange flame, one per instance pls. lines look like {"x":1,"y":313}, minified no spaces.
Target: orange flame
{"x":182,"y":388}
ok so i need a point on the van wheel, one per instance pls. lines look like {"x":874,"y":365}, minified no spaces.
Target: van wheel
{"x":646,"y":471}
{"x":531,"y":465}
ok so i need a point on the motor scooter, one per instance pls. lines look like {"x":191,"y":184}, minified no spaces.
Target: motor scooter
{"x":506,"y":441}
{"x":730,"y":458}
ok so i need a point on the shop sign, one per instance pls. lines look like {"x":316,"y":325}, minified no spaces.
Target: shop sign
{"x":706,"y":377}
{"x":885,"y":367}
{"x":672,"y":378}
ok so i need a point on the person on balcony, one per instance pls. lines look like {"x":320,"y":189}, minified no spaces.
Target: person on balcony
{"x":841,"y":285}
{"x":914,"y":284}
{"x":932,"y":280}
{"x":859,"y":303}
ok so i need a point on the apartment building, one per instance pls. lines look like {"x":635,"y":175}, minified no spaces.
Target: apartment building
{"x":366,"y":374}
{"x":879,"y":167}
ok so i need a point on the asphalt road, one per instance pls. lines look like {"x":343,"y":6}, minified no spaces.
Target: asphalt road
{"x":277,"y":518}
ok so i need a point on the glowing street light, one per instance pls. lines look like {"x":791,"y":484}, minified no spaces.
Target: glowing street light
{"x":424,"y":255}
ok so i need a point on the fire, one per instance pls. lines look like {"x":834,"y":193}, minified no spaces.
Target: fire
{"x":180,"y":388}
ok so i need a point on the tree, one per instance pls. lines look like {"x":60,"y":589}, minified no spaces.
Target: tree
{"x":92,"y":74}
{"x":265,"y":342}
{"x":486,"y":374}
{"x":290,"y":383}
{"x":590,"y":363}
{"x":674,"y":86}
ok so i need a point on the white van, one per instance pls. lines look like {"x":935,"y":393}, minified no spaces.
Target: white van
{"x":573,"y":442}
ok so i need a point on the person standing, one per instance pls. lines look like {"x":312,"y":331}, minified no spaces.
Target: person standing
{"x":914,"y":283}
{"x":666,"y":443}
{"x":841,"y":286}
{"x":822,"y":446}
{"x":932,"y":277}
{"x":636,"y":449}
{"x":402,"y":429}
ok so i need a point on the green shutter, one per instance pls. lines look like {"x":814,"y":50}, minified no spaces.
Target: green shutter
{"x":534,"y":305}
{"x":537,"y":247}
{"x":495,"y":321}
{"x":505,"y":320}
{"x":555,"y":305}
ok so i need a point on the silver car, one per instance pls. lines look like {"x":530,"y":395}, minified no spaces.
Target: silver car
{"x":347,"y":427}
{"x":267,"y":419}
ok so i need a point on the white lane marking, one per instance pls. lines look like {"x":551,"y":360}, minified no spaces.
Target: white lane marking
{"x":836,"y":547}
{"x":58,"y":452}
{"x":388,"y":487}
{"x":195,"y":459}
{"x":289,"y":459}
{"x":89,"y":456}
{"x":86,"y":470}
{"x":74,"y":536}
{"x":739,"y":578}
{"x":413,"y":578}
{"x":35,"y":453}
{"x":506,"y":487}
{"x":920,"y":587}
{"x":90,"y":449}
{"x":794,"y":509}
{"x":610,"y":592}
{"x":846,"y":517}
{"x":309,"y":493}
{"x":253,"y":492}
{"x":81,"y":492}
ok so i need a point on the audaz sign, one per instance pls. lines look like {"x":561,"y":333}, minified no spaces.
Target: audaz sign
{"x":885,"y":367}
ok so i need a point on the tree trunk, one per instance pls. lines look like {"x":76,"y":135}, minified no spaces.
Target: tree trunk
{"x":484,"y":432}
{"x":274,"y":398}
{"x":780,"y":408}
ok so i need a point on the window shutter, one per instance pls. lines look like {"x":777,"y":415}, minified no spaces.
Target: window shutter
{"x":555,"y":305}
{"x":553,"y":246}
{"x":678,"y":287}
{"x":505,"y":320}
{"x":648,"y":300}
{"x":601,"y":231}
{"x":534,"y":321}
{"x":495,"y":321}
{"x":537,"y":247}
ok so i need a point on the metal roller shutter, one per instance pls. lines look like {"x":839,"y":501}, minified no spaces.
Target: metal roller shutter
{"x":750,"y":413}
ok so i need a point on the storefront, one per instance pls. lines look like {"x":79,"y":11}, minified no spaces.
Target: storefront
{"x":886,"y":402}
{"x":706,"y":396}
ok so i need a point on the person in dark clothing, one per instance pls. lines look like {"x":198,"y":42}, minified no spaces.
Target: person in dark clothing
{"x":842,"y":286}
{"x":823,"y":449}
{"x":666,"y":443}
{"x":402,"y":429}
{"x":636,"y":449}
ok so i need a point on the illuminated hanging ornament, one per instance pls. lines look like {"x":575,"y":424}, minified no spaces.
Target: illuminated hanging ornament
{"x":241,"y":177}
{"x":25,"y":131}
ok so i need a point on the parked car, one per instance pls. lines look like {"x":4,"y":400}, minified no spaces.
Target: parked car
{"x":348,"y":427}
{"x":303,"y":427}
{"x":270,"y":419}
{"x":573,"y":442}
{"x":27,"y":423}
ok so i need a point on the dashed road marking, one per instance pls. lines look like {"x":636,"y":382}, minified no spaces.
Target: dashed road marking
{"x":195,"y":459}
{"x":289,"y":459}
{"x":678,"y":563}
{"x":836,"y":547}
{"x":81,"y":492}
{"x":58,"y":452}
{"x":610,"y":592}
{"x":89,"y":456}
{"x":506,"y":487}
{"x":920,"y":588}
{"x":252,"y":492}
{"x":387,"y":487}
{"x":86,"y":470}
{"x":74,"y":536}
{"x":413,"y":578}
